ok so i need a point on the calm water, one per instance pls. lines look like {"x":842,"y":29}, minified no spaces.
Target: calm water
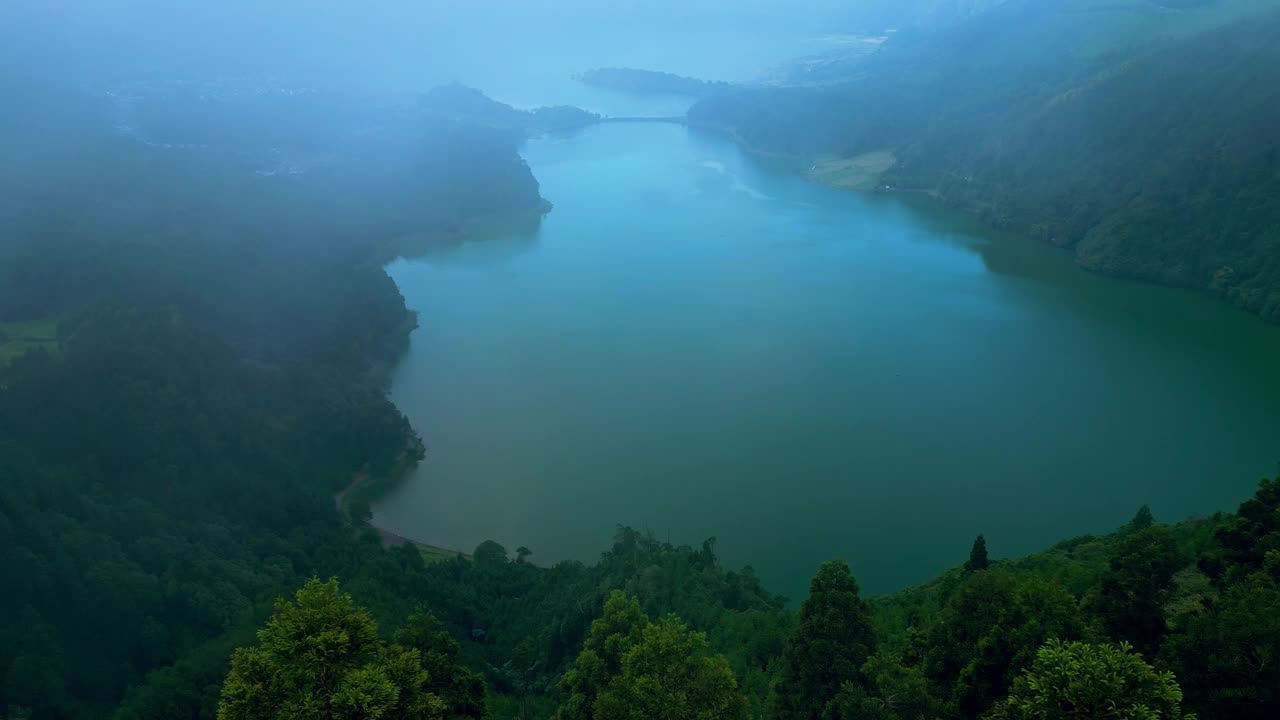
{"x":695,"y":344}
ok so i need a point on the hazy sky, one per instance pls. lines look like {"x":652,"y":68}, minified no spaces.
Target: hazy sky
{"x":347,"y":39}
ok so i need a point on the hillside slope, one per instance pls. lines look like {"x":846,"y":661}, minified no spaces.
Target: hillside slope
{"x":1141,"y":136}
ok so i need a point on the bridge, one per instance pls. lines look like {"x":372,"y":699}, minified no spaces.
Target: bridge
{"x":674,"y":120}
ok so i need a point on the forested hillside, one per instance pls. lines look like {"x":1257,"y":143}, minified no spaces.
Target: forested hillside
{"x":213,"y":341}
{"x":212,"y":372}
{"x":1140,"y":135}
{"x":195,"y":334}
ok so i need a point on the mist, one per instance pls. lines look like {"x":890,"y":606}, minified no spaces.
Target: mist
{"x":696,"y":358}
{"x":381,"y":45}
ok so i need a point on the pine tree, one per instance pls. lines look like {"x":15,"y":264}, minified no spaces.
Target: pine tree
{"x":828,"y":648}
{"x":460,"y":689}
{"x":977,"y":556}
{"x":1142,"y":520}
{"x":1137,"y":584}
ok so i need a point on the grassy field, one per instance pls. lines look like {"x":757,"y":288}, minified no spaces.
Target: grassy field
{"x":18,"y":337}
{"x":861,"y":172}
{"x":431,"y":553}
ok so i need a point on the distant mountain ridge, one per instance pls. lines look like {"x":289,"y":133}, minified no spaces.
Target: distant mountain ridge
{"x":650,"y":82}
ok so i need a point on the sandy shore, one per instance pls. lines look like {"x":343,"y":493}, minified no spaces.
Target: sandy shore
{"x":389,"y":538}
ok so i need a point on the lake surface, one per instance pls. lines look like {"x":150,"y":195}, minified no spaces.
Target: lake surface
{"x":699,"y":345}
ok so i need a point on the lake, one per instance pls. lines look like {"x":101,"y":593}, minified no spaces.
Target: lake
{"x":698,"y":345}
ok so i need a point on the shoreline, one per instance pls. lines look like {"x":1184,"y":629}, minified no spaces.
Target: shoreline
{"x":364,"y":486}
{"x":389,"y":538}
{"x":804,"y":168}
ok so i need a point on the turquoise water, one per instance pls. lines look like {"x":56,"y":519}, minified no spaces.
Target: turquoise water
{"x":699,"y":345}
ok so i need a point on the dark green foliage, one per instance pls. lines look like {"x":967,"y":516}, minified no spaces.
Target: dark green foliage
{"x":219,"y":374}
{"x":1226,"y":653}
{"x":977,"y":556}
{"x":1251,"y":541}
{"x":1142,"y":519}
{"x":898,"y":692}
{"x":1226,"y":657}
{"x":1136,"y":587}
{"x":1142,"y":139}
{"x":988,"y":632}
{"x":832,"y":640}
{"x":461,"y":690}
{"x":1080,"y":681}
{"x":168,"y":463}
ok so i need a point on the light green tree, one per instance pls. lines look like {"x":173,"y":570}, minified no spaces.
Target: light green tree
{"x":319,"y":658}
{"x":1081,"y":681}
{"x":631,"y":669}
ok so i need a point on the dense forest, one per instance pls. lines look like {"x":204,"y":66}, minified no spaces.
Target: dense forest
{"x":1138,"y":134}
{"x":195,"y":345}
{"x":194,"y":353}
{"x":195,"y":386}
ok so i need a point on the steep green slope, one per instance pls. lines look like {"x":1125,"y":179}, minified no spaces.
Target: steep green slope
{"x":1163,"y":168}
{"x":1140,"y":135}
{"x":215,"y":370}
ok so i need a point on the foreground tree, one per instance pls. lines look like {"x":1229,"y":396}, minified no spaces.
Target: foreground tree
{"x":319,"y":658}
{"x":1229,"y":657}
{"x":989,"y":631}
{"x":461,"y":690}
{"x":828,"y":648}
{"x":612,"y":635}
{"x":631,"y":669}
{"x":898,"y":692}
{"x":1080,"y":681}
{"x":1250,"y":542}
{"x":1136,"y":587}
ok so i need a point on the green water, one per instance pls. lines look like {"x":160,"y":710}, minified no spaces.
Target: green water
{"x":698,"y":345}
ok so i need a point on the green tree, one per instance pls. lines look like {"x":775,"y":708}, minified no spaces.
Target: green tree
{"x":632,"y":669}
{"x":669,"y":674}
{"x":1229,"y":657}
{"x":899,"y":693}
{"x":489,"y":553}
{"x":612,"y":635}
{"x":1251,"y":535}
{"x":461,"y":690}
{"x":1136,"y":586}
{"x":828,"y":647}
{"x":990,"y":630}
{"x":319,"y":658}
{"x":977,"y":556}
{"x":522,"y":672}
{"x":1080,"y":681}
{"x":1142,"y":520}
